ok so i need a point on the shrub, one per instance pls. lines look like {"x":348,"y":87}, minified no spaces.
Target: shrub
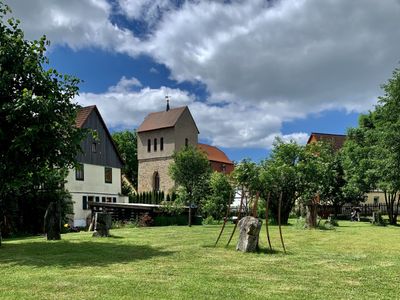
{"x":209,"y":221}
{"x":145,"y":220}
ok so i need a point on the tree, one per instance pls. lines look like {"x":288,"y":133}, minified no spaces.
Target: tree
{"x":38,"y":137}
{"x":316,"y":174}
{"x":280,"y":174}
{"x":246,"y":178}
{"x":191,"y":170}
{"x":221,"y":195}
{"x":126,"y":142}
{"x":376,"y":143}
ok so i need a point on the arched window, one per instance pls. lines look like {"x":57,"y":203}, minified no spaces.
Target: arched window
{"x":162,"y":144}
{"x":155,"y":145}
{"x":148,"y":145}
{"x":186,"y":142}
{"x":156,"y":182}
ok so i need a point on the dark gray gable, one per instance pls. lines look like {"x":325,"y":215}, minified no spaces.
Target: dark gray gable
{"x":106,"y":153}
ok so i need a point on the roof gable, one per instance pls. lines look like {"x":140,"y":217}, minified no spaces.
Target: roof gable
{"x":163,"y":119}
{"x":85,"y":118}
{"x":214,"y":154}
{"x":337,"y":140}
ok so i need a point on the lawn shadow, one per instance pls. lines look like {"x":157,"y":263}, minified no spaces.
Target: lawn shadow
{"x":76,"y":254}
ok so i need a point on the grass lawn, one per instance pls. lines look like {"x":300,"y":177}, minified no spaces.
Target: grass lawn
{"x":355,"y":261}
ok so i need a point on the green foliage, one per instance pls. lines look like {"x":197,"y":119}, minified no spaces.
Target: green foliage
{"x":221,"y":195}
{"x":168,"y":220}
{"x":191,"y":170}
{"x":209,"y":221}
{"x":373,"y":149}
{"x":126,"y":142}
{"x":38,"y":137}
{"x":280,"y":173}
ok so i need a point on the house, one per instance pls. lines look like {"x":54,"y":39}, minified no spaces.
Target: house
{"x":97,"y":177}
{"x":218,"y":159}
{"x":337,"y":141}
{"x":158,"y":137}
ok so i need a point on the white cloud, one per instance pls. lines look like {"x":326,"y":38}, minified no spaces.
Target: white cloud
{"x":262,"y":65}
{"x":75,"y":23}
{"x":125,"y":85}
{"x":232,"y":125}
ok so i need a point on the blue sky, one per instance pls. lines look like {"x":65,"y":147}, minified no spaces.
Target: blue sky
{"x":248,"y":70}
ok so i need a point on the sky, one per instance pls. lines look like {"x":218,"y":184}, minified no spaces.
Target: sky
{"x":250,"y":71}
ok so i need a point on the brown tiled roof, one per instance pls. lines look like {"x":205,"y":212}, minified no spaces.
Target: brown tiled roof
{"x":337,"y":140}
{"x":214,"y":154}
{"x":82,"y":115}
{"x":161,"y":119}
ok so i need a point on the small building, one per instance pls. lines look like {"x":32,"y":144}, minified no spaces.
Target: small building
{"x":97,"y":177}
{"x":337,"y":140}
{"x":218,"y":159}
{"x":160,"y":134}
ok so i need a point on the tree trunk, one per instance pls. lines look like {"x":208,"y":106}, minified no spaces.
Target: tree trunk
{"x":311,"y":218}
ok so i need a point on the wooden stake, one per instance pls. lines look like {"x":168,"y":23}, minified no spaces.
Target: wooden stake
{"x":279,"y":222}
{"x":225,"y":219}
{"x":266,"y":221}
{"x":239,"y":215}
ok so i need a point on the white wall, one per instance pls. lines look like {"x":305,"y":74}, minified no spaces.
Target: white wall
{"x":93,"y":185}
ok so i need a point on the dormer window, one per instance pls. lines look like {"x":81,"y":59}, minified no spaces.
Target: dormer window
{"x":155,"y":145}
{"x":149,"y":145}
{"x":162,"y":144}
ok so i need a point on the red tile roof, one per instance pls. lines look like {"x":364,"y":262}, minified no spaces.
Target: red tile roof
{"x":337,"y":140}
{"x":214,"y":154}
{"x":162,"y":119}
{"x":82,"y":115}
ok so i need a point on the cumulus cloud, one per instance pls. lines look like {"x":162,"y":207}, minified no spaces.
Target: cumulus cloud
{"x":232,"y":125}
{"x":75,"y":23}
{"x":323,"y":54}
{"x":262,"y":62}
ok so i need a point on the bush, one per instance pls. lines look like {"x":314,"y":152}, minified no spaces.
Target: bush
{"x":209,"y":221}
{"x":145,"y":220}
{"x":170,"y":220}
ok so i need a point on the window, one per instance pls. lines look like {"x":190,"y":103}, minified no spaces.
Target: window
{"x":155,"y":145}
{"x":161,"y":144}
{"x":148,"y":145}
{"x":84,"y":202}
{"x":107,"y":175}
{"x":376,"y":199}
{"x":79,"y":172}
{"x":108,"y":199}
{"x":156,"y":181}
{"x":223,"y":168}
{"x":103,"y":199}
{"x":94,"y":147}
{"x":97,"y":199}
{"x":186,"y":142}
{"x":114,"y":200}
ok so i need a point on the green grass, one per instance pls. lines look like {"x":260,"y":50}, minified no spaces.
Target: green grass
{"x":355,"y":261}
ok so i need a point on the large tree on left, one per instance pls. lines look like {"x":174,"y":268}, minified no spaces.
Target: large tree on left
{"x":38,"y":139}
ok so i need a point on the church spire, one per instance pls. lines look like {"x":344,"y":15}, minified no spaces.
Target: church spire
{"x":167,"y":98}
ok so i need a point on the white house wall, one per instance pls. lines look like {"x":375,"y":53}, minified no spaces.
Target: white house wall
{"x":93,"y":185}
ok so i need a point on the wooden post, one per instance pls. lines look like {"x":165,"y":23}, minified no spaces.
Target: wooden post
{"x":225,"y":219}
{"x":190,"y":215}
{"x":266,"y":221}
{"x":279,"y":222}
{"x":239,"y":215}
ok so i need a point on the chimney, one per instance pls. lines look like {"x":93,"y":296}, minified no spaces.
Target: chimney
{"x":167,"y":98}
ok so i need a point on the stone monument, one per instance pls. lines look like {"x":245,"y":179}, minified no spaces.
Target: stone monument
{"x":102,"y":225}
{"x":248,"y":235}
